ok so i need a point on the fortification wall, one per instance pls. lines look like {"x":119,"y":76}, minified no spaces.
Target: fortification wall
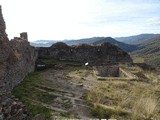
{"x":17,"y":59}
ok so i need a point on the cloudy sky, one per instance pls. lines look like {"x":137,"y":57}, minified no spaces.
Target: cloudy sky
{"x":74,"y":19}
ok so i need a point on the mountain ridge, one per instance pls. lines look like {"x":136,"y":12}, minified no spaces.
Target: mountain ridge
{"x":124,"y":46}
{"x":136,"y":39}
{"x":94,"y":40}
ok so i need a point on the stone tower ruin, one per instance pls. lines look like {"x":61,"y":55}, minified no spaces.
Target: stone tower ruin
{"x":24,"y":36}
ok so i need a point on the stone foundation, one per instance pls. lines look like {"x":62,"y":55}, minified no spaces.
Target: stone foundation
{"x":107,"y":71}
{"x":112,"y":72}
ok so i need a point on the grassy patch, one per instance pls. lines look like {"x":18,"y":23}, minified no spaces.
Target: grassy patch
{"x":54,"y":61}
{"x":45,"y":88}
{"x":38,"y":110}
{"x":80,"y":72}
{"x":101,"y":112}
{"x":67,"y":104}
{"x":45,"y":97}
{"x":146,"y":107}
{"x":66,"y":114}
{"x":49,"y":61}
{"x":138,"y":60}
{"x":123,"y":95}
{"x":27,"y":91}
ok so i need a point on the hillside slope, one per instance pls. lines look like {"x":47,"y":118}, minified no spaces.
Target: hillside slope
{"x":150,"y":51}
{"x":137,"y":39}
{"x":83,"y":41}
{"x":124,"y":46}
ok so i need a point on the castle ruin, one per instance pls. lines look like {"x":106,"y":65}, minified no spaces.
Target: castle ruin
{"x":18,"y":58}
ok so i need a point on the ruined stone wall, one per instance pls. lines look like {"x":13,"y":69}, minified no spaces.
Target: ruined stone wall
{"x":24,"y":63}
{"x":107,"y":71}
{"x":105,"y":53}
{"x":17,"y":59}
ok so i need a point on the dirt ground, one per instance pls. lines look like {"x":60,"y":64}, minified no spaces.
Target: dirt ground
{"x":70,"y":91}
{"x":70,"y":88}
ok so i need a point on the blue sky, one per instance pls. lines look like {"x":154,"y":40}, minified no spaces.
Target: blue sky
{"x":75,"y":19}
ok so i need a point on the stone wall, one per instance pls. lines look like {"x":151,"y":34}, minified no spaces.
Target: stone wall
{"x":107,"y":71}
{"x":105,"y":53}
{"x":14,"y":72}
{"x":17,"y":59}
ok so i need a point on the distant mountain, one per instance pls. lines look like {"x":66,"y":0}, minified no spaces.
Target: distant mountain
{"x":43,"y":43}
{"x":136,"y":39}
{"x":83,"y":41}
{"x":47,"y":43}
{"x":150,"y":51}
{"x":124,"y":46}
{"x":94,"y":40}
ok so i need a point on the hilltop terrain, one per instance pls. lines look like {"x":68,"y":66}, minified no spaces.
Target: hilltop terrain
{"x":86,"y":81}
{"x":69,"y":89}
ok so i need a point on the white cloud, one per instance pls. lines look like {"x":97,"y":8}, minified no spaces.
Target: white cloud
{"x":67,"y":19}
{"x":154,"y":21}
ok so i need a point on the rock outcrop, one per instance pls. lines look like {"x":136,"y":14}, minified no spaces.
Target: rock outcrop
{"x":105,"y":53}
{"x":17,"y":59}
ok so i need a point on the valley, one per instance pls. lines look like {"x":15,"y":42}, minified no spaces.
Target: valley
{"x":149,"y":51}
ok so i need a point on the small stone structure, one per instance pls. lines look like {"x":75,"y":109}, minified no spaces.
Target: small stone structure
{"x":107,"y":71}
{"x":24,"y":36}
{"x":113,"y":72}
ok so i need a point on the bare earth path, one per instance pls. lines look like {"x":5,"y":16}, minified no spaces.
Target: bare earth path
{"x":70,"y":87}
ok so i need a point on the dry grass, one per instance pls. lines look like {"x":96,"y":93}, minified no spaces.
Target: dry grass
{"x":119,"y":99}
{"x":153,"y":77}
{"x":81,"y":72}
{"x":146,"y":108}
{"x":141,"y":99}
